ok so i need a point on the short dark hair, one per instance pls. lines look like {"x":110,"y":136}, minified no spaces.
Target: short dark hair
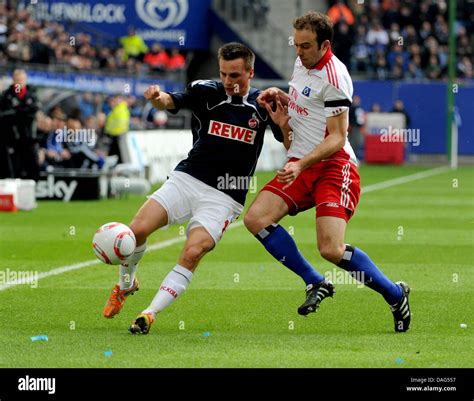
{"x":318,"y":23}
{"x":234,"y":50}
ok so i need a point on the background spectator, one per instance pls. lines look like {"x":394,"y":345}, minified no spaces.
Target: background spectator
{"x":134,"y":46}
{"x":339,"y":12}
{"x":376,"y":108}
{"x":342,"y":43}
{"x":17,"y":112}
{"x":157,"y":58}
{"x":399,"y":107}
{"x":356,"y":125}
{"x":53,"y":153}
{"x":117,"y":123}
{"x":176,"y":61}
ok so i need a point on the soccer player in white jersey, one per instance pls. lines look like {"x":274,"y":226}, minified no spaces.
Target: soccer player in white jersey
{"x":321,"y":172}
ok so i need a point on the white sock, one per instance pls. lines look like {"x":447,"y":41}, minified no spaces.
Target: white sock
{"x":174,"y":284}
{"x":127,"y":270}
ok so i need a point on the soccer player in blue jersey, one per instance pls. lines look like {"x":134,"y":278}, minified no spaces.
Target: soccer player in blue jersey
{"x":228,"y":127}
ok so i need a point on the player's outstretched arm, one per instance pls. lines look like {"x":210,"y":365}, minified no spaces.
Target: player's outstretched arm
{"x":160,"y":100}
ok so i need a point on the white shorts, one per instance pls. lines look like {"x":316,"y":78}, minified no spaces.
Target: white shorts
{"x":187,"y":198}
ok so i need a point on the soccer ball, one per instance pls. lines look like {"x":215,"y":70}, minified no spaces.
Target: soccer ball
{"x":113,"y":243}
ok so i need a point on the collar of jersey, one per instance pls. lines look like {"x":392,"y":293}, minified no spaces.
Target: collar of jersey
{"x":238,"y":98}
{"x":324,"y":60}
{"x":229,"y":99}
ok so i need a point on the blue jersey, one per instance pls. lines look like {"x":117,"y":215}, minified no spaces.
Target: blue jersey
{"x":228,"y":133}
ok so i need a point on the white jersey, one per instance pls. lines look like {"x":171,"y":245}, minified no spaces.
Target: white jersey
{"x":315,"y":94}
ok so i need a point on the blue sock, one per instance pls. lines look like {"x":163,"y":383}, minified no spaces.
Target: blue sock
{"x":364,"y":270}
{"x":281,"y":246}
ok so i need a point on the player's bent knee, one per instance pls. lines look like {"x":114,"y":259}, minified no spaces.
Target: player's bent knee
{"x":194,"y":252}
{"x":250,"y":222}
{"x":254,"y":222}
{"x":332,"y":252}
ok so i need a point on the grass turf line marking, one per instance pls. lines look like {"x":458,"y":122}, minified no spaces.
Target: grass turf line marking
{"x":177,"y":240}
{"x":403,"y":180}
{"x":77,"y":266}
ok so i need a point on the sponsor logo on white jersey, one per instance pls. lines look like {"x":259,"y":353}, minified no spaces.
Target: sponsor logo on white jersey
{"x":293,"y":105}
{"x":230,"y":131}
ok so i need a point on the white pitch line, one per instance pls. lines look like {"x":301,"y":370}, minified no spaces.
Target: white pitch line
{"x":76,"y":266}
{"x":172,"y":241}
{"x":403,"y":180}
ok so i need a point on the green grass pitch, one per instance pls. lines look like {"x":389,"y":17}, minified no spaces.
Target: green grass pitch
{"x":240,"y":310}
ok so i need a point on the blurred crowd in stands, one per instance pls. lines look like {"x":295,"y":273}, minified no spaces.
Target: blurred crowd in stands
{"x":397,"y":39}
{"x":80,"y":131}
{"x":83,"y":130}
{"x":381,"y":39}
{"x":23,"y":39}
